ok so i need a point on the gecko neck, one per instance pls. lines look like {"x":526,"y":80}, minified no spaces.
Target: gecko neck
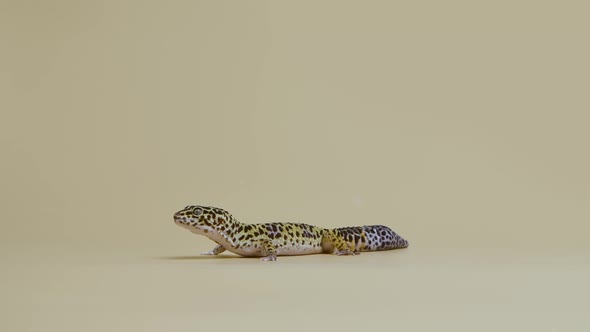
{"x":226,"y":231}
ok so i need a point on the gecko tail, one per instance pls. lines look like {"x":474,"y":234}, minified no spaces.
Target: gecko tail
{"x":372,"y":238}
{"x":381,"y":237}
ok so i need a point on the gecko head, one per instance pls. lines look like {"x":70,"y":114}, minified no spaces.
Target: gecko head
{"x":201,"y":219}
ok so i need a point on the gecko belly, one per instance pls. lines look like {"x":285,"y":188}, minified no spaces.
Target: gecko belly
{"x":281,"y":250}
{"x":291,"y":250}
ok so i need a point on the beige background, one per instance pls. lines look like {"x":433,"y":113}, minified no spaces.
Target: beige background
{"x":462,"y":125}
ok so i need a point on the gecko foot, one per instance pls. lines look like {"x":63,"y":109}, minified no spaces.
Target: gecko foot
{"x":215,"y":251}
{"x":346,"y":252}
{"x":269,"y":258}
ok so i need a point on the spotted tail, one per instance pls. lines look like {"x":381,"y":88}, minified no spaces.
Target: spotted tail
{"x":371,"y":238}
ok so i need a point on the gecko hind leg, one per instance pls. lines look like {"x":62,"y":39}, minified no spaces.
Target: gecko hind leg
{"x":341,"y":247}
{"x":269,"y":251}
{"x":215,"y":251}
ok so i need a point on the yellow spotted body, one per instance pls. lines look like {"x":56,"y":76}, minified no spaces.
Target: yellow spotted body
{"x":270,"y":240}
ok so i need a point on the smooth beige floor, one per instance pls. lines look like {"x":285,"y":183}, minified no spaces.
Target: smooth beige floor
{"x":413,"y":290}
{"x":462,"y":125}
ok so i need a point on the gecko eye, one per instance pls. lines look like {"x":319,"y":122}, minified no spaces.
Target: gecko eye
{"x":197,"y":212}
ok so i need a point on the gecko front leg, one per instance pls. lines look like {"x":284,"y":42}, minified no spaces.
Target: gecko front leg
{"x":215,"y":251}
